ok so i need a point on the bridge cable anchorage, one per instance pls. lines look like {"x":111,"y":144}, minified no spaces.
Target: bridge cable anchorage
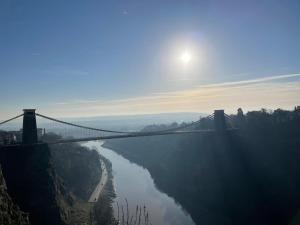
{"x":16,"y":117}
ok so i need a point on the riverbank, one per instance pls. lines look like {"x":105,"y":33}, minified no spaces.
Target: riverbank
{"x":80,"y":169}
{"x":100,"y":186}
{"x":205,"y":174}
{"x":136,"y":191}
{"x":102,"y":210}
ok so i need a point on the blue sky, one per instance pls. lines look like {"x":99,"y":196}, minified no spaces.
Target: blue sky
{"x":83,"y":58}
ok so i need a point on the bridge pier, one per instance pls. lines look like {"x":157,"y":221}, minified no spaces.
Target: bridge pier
{"x":29,"y":134}
{"x":219,"y":121}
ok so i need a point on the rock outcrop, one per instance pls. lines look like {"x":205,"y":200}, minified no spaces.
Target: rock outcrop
{"x":32,"y":183}
{"x":10,"y":213}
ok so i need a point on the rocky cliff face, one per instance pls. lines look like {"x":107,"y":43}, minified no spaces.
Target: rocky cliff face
{"x":52,"y":186}
{"x":10,"y":214}
{"x":32,"y":183}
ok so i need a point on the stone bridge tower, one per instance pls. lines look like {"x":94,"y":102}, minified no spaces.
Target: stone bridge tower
{"x":219,"y":120}
{"x":29,"y":134}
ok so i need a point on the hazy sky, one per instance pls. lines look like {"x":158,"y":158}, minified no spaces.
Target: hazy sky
{"x":87,"y":58}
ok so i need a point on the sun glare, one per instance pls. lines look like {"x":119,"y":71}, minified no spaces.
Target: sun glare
{"x":186,"y":57}
{"x":182,"y":59}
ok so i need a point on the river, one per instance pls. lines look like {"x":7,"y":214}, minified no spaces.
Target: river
{"x":135,"y":183}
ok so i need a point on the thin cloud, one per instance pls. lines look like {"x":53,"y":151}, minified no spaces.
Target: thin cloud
{"x":258,"y":80}
{"x":248,"y":94}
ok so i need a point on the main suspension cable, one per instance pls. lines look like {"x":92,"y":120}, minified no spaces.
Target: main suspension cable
{"x":16,"y":117}
{"x":116,"y":131}
{"x":80,"y":126}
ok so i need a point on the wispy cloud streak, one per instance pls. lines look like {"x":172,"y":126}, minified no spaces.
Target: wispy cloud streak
{"x":251,"y":81}
{"x":271,"y":92}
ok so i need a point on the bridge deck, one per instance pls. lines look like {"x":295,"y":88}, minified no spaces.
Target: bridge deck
{"x":130,"y":135}
{"x":115,"y":134}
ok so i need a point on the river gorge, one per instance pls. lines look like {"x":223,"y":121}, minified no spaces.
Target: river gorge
{"x":134,"y":183}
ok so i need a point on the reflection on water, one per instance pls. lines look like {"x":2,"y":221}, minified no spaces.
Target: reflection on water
{"x":135,"y":183}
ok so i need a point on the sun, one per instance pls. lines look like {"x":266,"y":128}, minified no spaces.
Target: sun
{"x":186,"y":57}
{"x":183,"y":58}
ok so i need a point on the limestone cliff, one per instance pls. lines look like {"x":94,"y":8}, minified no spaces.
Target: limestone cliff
{"x":10,"y":214}
{"x":32,"y":183}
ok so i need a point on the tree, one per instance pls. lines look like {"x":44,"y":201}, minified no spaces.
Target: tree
{"x":240,"y":113}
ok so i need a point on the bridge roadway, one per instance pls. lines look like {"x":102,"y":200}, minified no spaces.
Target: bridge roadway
{"x":129,"y":135}
{"x":30,"y":137}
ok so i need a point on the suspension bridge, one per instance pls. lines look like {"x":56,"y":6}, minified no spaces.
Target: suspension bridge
{"x":30,"y":134}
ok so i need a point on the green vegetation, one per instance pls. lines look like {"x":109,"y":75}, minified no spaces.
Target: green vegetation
{"x":79,"y":169}
{"x":103,"y":211}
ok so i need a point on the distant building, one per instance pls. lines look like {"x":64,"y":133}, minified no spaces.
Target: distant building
{"x":13,"y":137}
{"x":8,"y":137}
{"x":2,"y":137}
{"x":40,"y":132}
